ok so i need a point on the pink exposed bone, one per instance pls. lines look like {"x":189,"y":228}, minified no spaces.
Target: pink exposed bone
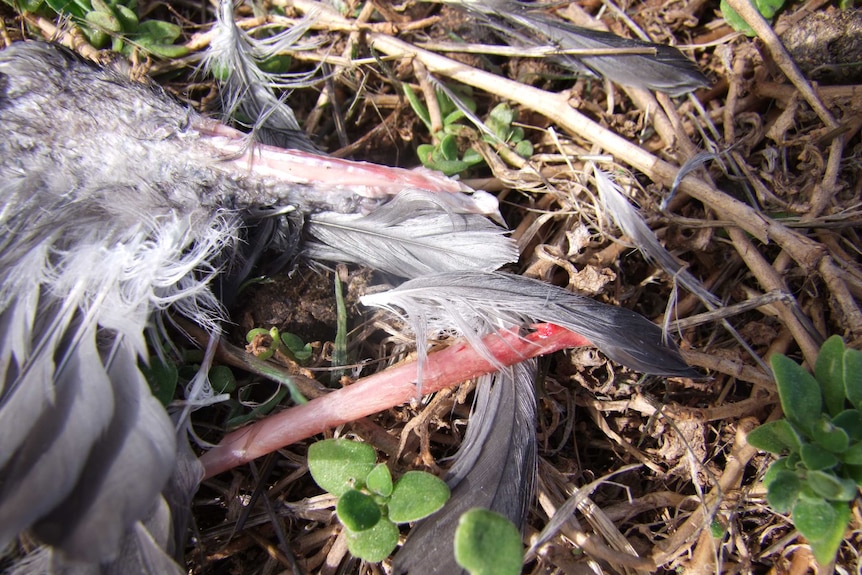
{"x":389,"y":388}
{"x":295,"y":166}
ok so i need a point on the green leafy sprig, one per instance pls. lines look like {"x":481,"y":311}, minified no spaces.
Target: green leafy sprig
{"x":444,"y":155}
{"x":289,"y":344}
{"x":113,"y":22}
{"x":820,"y":442}
{"x":370,"y":505}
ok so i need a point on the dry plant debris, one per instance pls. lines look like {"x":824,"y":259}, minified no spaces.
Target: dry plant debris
{"x":770,"y":225}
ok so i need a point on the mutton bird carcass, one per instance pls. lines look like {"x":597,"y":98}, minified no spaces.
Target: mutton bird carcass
{"x":120,"y":204}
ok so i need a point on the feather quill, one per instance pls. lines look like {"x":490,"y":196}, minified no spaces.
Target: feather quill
{"x":417,"y":233}
{"x":475,"y":304}
{"x":629,"y":221}
{"x":495,"y":468}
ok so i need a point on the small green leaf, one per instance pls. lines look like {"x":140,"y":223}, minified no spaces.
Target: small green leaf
{"x":716,"y":529}
{"x":265,"y":337}
{"x":779,"y":464}
{"x":300,"y":350}
{"x":240,"y":417}
{"x":220,"y":72}
{"x":486,"y":543}
{"x":278,"y":64}
{"x":157,"y":37}
{"x":416,"y":495}
{"x":379,"y":480}
{"x":163,"y":378}
{"x":449,"y":168}
{"x":357,"y":511}
{"x":340,"y":464}
{"x":27,"y":5}
{"x":517,"y":134}
{"x":104,"y":21}
{"x":814,"y":517}
{"x":419,"y":108}
{"x":794,"y":461}
{"x":504,"y":114}
{"x":816,"y":458}
{"x":831,"y":487}
{"x":734,"y":20}
{"x":829,"y":436}
{"x":69,"y":7}
{"x":96,"y":37}
{"x":775,"y":437}
{"x":449,"y":147}
{"x":783,"y":490}
{"x":425,"y":153}
{"x":453,"y":117}
{"x":222,"y":379}
{"x":258,"y":331}
{"x":166,"y":51}
{"x":853,"y":377}
{"x":128,"y":19}
{"x":446,"y":105}
{"x":158,"y":32}
{"x":83,"y":5}
{"x":829,"y":371}
{"x":375,"y":544}
{"x":524,"y":148}
{"x":850,"y":420}
{"x":824,"y":549}
{"x":472,"y":157}
{"x":118,"y":45}
{"x":800,"y":394}
{"x":767,"y":9}
{"x":853,"y":455}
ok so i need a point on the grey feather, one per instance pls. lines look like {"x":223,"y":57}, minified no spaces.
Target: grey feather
{"x":495,"y":468}
{"x":476,"y":304}
{"x":417,"y":233}
{"x":141,"y":552}
{"x":629,"y":221}
{"x":236,"y":58}
{"x":666,"y":70}
{"x":87,"y":254}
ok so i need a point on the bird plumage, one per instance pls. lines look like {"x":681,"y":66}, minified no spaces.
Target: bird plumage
{"x":92,"y":245}
{"x":117,"y":203}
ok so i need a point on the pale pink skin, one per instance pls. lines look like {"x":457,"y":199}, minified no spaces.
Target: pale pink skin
{"x":384,"y":390}
{"x":362,"y":178}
